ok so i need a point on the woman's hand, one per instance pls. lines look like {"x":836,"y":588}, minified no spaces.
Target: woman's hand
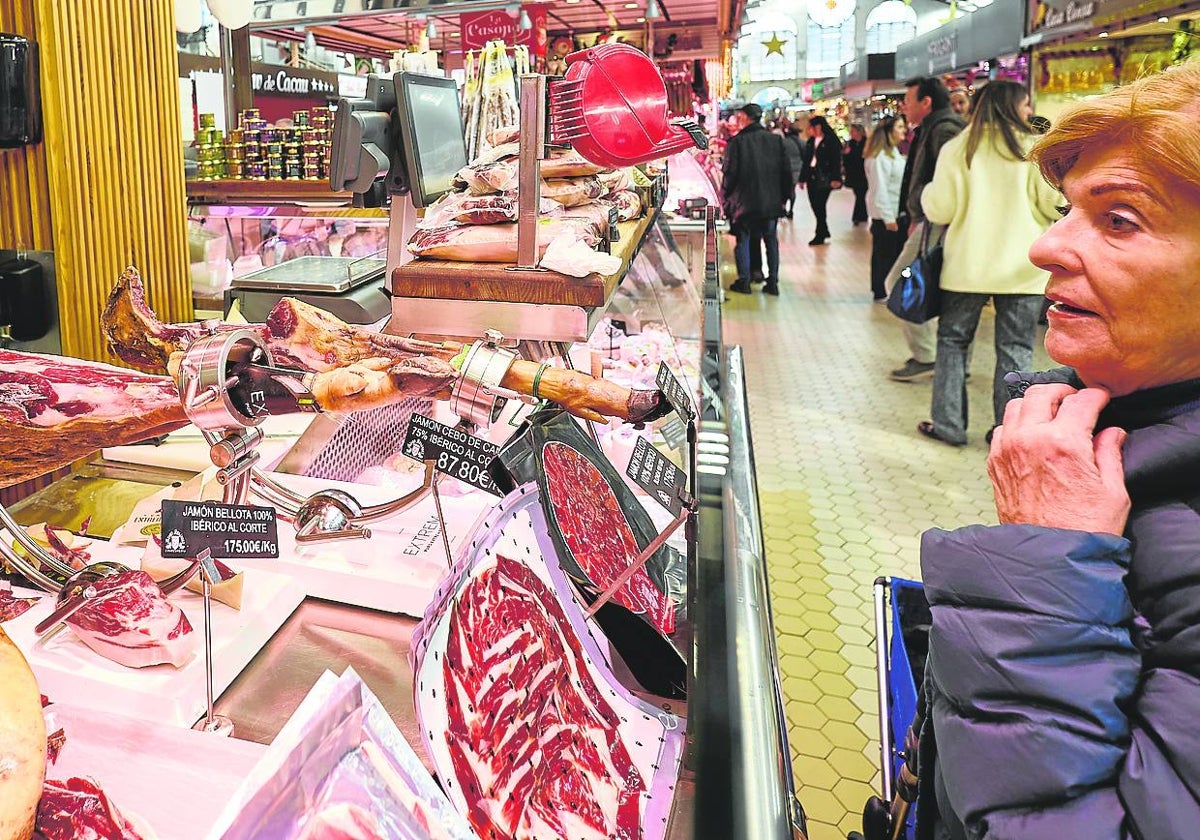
{"x":1047,"y":467}
{"x":892,"y":226}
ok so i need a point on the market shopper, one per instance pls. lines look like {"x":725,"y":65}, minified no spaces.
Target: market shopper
{"x":756,"y":182}
{"x":960,"y":102}
{"x":994,"y":204}
{"x":855,"y":171}
{"x":822,"y":172}
{"x":795,"y":155}
{"x":885,"y":176}
{"x":927,"y":106}
{"x":1063,"y":677}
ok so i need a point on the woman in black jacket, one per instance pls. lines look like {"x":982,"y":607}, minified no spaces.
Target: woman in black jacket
{"x":822,"y":172}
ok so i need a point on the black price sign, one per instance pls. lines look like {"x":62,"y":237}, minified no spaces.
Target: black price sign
{"x":675,"y":393}
{"x":454,"y":452}
{"x":657,"y":476}
{"x":674,"y":432}
{"x":231,"y":532}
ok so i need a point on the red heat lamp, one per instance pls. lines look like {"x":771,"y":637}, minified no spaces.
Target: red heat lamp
{"x":612,"y":108}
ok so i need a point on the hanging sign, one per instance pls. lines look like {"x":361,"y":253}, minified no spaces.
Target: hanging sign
{"x":498,"y":25}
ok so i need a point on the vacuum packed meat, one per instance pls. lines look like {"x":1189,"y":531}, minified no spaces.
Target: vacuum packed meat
{"x":597,"y":533}
{"x":132,"y":623}
{"x":495,"y":243}
{"x":22,"y":743}
{"x":77,"y":809}
{"x":535,"y":747}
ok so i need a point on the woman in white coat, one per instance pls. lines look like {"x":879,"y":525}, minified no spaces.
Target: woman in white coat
{"x":885,"y":176}
{"x":995,"y":204}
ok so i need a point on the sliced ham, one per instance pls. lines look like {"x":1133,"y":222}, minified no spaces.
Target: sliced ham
{"x":132,"y":623}
{"x":77,"y":809}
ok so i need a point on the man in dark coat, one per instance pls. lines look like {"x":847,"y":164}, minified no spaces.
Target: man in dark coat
{"x":757,"y":181}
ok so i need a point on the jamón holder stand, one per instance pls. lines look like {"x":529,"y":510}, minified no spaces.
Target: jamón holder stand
{"x":212,"y":722}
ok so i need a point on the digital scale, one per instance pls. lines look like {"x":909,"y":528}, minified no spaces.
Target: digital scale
{"x":349,"y":287}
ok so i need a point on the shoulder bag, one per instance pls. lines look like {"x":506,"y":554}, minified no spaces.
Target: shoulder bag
{"x":916,"y":296}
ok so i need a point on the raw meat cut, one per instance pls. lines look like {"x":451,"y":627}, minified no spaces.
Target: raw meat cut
{"x":572,"y":191}
{"x":495,"y":243}
{"x":132,"y":623}
{"x":534,"y":745}
{"x":12,"y":606}
{"x":22,"y":743}
{"x":55,"y":410}
{"x":297,"y":334}
{"x":629,"y":204}
{"x":77,"y":809}
{"x":479,"y":209}
{"x":597,"y":533}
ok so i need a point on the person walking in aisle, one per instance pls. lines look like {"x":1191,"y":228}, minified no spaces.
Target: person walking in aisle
{"x":856,"y":176}
{"x":795,"y":155}
{"x":822,"y":172}
{"x":756,"y":182}
{"x":995,"y":204}
{"x":885,"y":176}
{"x":927,"y":106}
{"x":960,"y":102}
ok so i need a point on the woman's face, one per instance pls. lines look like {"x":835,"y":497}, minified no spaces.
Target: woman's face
{"x":1123,"y":276}
{"x":899,"y":131}
{"x":1025,"y":109}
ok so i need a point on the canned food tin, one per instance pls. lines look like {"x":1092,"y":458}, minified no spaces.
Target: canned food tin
{"x":208,"y":120}
{"x":235,"y":169}
{"x":256,"y":170}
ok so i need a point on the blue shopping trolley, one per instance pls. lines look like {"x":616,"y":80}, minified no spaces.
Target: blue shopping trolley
{"x":901,"y":646}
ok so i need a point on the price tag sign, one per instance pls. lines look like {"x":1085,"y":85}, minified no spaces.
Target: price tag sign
{"x":231,"y":532}
{"x":454,"y":452}
{"x":676,"y":394}
{"x":674,"y":432}
{"x":651,"y":470}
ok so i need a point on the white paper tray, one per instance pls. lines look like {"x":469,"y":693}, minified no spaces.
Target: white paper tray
{"x":174,"y":780}
{"x":66,"y":668}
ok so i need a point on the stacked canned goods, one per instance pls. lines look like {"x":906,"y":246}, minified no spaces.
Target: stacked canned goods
{"x":255,"y":152}
{"x":209,"y":146}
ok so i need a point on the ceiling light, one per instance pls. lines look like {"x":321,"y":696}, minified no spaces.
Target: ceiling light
{"x":640,"y":20}
{"x":1103,"y":34}
{"x":1164,"y":19}
{"x":525,"y":23}
{"x":572,"y":2}
{"x":631,"y":5}
{"x":653,"y":12}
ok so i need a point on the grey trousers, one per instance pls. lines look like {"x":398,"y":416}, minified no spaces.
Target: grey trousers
{"x":921,"y":338}
{"x":1016,"y":328}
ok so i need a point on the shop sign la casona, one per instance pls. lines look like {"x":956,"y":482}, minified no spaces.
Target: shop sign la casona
{"x":498,"y":25}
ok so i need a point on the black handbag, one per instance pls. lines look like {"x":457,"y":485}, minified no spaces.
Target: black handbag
{"x":917,"y":296}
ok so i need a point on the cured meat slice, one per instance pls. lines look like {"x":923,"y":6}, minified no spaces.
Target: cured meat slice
{"x":77,"y":809}
{"x":596,"y":532}
{"x":534,"y":746}
{"x":495,"y":243}
{"x":296,"y":333}
{"x":55,"y":410}
{"x":12,"y":606}
{"x":132,"y":623}
{"x":22,"y":743}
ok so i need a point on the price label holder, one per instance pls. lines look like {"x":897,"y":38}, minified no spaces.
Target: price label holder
{"x":231,"y":532}
{"x":654,"y":473}
{"x":452,"y":451}
{"x":675,"y":393}
{"x":210,"y":576}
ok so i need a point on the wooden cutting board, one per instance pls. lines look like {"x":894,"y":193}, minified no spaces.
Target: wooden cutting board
{"x":446,"y":280}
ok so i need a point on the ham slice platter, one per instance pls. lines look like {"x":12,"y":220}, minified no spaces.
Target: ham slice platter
{"x":531,"y":734}
{"x":66,"y":667}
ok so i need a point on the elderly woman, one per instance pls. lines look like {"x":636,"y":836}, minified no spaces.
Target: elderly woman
{"x":1063,"y":679}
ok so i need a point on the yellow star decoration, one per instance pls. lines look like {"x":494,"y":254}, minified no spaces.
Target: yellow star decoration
{"x":775,"y":45}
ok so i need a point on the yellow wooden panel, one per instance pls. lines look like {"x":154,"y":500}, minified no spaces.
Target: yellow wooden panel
{"x":114,"y":156}
{"x":24,"y":195}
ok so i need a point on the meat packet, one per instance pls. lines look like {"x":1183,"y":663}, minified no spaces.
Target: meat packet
{"x":340,"y":765}
{"x":597,"y":527}
{"x":518,"y":703}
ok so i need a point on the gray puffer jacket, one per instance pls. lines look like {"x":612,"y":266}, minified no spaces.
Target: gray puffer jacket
{"x":1063,"y":679}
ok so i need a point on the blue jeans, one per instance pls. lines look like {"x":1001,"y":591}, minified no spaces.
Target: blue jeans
{"x":1016,"y":327}
{"x":754,"y":230}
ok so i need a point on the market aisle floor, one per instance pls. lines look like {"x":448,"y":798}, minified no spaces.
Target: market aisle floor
{"x":846,"y":487}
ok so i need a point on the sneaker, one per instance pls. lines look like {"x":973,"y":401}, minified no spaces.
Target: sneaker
{"x":742,"y":287}
{"x":913,"y":370}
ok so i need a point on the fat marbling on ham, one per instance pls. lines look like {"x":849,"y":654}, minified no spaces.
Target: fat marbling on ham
{"x":132,"y":623}
{"x":77,"y":809}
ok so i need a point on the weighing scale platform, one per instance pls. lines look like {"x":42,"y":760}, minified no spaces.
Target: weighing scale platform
{"x":348,"y":287}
